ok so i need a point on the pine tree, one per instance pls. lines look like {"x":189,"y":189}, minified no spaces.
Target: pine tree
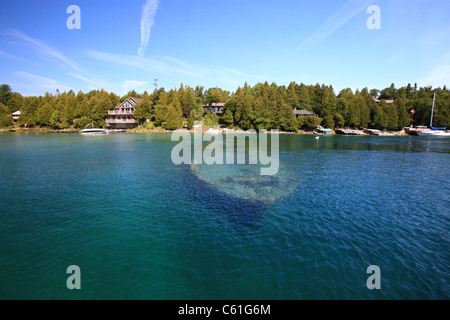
{"x":5,"y":93}
{"x":143,"y":110}
{"x":227,"y":118}
{"x":328,"y":121}
{"x":339,"y":120}
{"x":288,"y":121}
{"x":245,"y":109}
{"x":379,"y":117}
{"x":304,"y":98}
{"x":43,"y":115}
{"x":292,"y":98}
{"x":173,"y":118}
{"x":403,"y":115}
{"x":5,"y":116}
{"x":55,"y":120}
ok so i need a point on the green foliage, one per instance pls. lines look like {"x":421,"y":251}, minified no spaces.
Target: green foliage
{"x":328,"y":121}
{"x":15,"y":102}
{"x":263,"y":106}
{"x":214,"y":95}
{"x":82,"y":123}
{"x":227,"y":118}
{"x":211,"y":119}
{"x":5,"y":93}
{"x":309,"y":123}
{"x":55,"y":120}
{"x":143,"y":110}
{"x":5,"y":117}
{"x":339,"y":120}
{"x":195,"y":114}
{"x":174,"y":118}
{"x":43,"y":115}
{"x":288,"y":121}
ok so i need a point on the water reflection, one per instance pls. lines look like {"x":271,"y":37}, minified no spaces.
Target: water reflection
{"x":239,"y":211}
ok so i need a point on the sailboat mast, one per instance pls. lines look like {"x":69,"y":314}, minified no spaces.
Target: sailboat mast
{"x":432,"y":110}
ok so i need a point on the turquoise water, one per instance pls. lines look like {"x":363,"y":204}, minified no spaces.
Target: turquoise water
{"x":140,"y":227}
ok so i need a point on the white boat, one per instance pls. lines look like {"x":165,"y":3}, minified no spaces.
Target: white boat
{"x":213,"y":131}
{"x":93,"y":130}
{"x":432,"y":131}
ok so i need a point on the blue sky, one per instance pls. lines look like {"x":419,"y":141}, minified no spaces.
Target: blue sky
{"x":126,"y":44}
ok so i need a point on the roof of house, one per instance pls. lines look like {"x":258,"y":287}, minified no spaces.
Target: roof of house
{"x":132,"y":100}
{"x":387,"y":101}
{"x":304,"y":112}
{"x":218,"y":104}
{"x":137,"y":100}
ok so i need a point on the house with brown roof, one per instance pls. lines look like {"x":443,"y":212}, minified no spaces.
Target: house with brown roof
{"x":16,"y":115}
{"x":304,"y":113}
{"x":216,"y":108}
{"x":122,"y":115}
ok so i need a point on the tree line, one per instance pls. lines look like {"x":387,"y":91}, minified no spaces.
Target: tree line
{"x":263,"y":106}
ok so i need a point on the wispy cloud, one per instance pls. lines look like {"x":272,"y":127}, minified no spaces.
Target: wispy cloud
{"x":174,"y":66}
{"x":40,"y":47}
{"x":132,"y":84}
{"x":349,"y":10}
{"x":440,"y":75}
{"x":143,"y":63}
{"x":147,"y":20}
{"x":14,"y":57}
{"x":35,"y":81}
{"x":92,"y":82}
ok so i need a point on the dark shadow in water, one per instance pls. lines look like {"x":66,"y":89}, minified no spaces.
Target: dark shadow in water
{"x":240,"y":212}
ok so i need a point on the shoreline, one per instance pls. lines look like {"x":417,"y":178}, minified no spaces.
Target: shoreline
{"x":300,"y":132}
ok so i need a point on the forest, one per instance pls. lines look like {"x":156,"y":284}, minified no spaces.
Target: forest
{"x":262,"y":106}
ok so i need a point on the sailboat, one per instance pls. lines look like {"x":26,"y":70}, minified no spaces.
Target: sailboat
{"x":433,"y":132}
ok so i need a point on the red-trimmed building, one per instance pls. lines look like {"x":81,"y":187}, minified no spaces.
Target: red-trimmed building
{"x":122,"y":115}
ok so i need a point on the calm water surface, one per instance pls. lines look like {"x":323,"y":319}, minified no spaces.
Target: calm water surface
{"x":140,"y":227}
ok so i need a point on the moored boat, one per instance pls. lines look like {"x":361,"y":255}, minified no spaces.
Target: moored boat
{"x":433,"y":131}
{"x":93,"y":130}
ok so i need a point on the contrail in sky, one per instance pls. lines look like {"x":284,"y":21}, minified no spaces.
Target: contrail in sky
{"x":333,"y":23}
{"x":147,"y":20}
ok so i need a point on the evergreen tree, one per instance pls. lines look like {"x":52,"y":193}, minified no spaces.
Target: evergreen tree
{"x":55,"y":120}
{"x":328,"y":121}
{"x":288,"y":121}
{"x":379,"y":117}
{"x":5,"y":116}
{"x":292,"y":98}
{"x":143,"y":110}
{"x":43,"y":115}
{"x":244,"y":110}
{"x":173,"y":118}
{"x":199,"y":96}
{"x":339,"y":120}
{"x":15,"y":102}
{"x":227,"y":118}
{"x":304,"y":98}
{"x":5,"y":93}
{"x":403,"y":114}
